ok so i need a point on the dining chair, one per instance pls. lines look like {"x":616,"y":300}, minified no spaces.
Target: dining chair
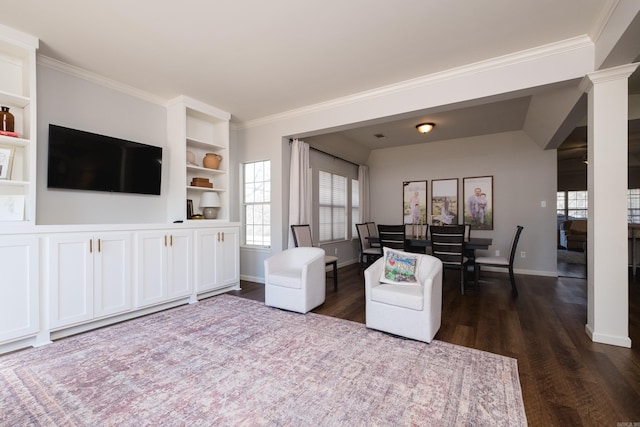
{"x":373,"y":232}
{"x":447,"y":244}
{"x":501,"y":262}
{"x":302,"y":238}
{"x":368,"y":254}
{"x":392,"y":236}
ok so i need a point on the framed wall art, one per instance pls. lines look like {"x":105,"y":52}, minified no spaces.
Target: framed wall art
{"x":444,"y":201}
{"x":6,"y":159}
{"x":414,"y":204}
{"x":478,"y":202}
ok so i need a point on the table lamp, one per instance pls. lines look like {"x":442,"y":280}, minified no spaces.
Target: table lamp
{"x":210,"y":202}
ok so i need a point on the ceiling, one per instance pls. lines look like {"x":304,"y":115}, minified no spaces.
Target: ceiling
{"x":256,"y":59}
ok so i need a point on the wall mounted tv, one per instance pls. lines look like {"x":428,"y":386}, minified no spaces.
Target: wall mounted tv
{"x":80,"y":160}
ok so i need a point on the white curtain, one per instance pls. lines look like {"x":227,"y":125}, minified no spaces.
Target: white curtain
{"x":363,"y":188}
{"x":299,"y":194}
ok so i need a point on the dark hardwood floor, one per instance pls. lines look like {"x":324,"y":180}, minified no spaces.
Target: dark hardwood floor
{"x":567,"y":380}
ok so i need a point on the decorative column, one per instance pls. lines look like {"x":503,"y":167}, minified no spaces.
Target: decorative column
{"x":607,"y":142}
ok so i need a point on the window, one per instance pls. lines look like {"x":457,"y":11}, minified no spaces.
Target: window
{"x":333,"y":207}
{"x":257,"y":203}
{"x":633,"y":205}
{"x":355,"y":207}
{"x":572,"y":204}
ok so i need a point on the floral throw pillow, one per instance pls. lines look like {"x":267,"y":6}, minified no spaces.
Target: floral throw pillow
{"x":399,"y":268}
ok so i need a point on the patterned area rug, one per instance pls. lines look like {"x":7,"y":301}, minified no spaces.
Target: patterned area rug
{"x":232,"y":361}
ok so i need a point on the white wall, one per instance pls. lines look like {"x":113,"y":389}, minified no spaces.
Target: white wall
{"x":523,"y":176}
{"x":73,"y":102}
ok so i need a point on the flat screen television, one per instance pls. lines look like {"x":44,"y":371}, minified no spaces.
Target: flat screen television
{"x":80,"y":160}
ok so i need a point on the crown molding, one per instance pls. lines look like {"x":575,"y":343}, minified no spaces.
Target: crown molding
{"x":603,"y":18}
{"x":72,"y":70}
{"x":575,"y":43}
{"x":608,"y":75}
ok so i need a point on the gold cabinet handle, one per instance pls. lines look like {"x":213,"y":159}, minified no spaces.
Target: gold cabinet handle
{"x":165,"y":240}
{"x":98,"y":245}
{"x":223,"y":236}
{"x":90,"y":246}
{"x":171,"y":240}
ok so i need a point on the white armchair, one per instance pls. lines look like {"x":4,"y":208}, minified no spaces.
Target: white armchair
{"x":295,"y":279}
{"x":409,"y":310}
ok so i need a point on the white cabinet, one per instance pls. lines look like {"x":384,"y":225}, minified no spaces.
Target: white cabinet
{"x":165,"y":267}
{"x":90,"y":277}
{"x":19,"y":302}
{"x":218,"y":263}
{"x":18,"y":150}
{"x":197,"y":128}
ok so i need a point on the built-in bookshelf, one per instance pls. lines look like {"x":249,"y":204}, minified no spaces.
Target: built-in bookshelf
{"x":18,"y":152}
{"x":195,"y":129}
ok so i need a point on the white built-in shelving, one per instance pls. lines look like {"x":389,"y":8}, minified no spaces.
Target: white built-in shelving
{"x":18,"y":92}
{"x":200,"y":129}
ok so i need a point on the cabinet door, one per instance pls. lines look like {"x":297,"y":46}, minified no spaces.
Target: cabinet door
{"x":18,"y":288}
{"x":206,"y":254}
{"x":71,"y":276}
{"x":228,"y":259}
{"x":112,"y":278}
{"x":152,"y":281}
{"x":180,"y":264}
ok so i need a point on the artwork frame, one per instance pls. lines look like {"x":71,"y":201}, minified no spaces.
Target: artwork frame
{"x":6,"y":161}
{"x":478,"y":202}
{"x":414,"y":193}
{"x":444,"y":201}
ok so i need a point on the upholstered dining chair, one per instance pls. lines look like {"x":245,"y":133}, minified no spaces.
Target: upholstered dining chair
{"x":392,"y":236}
{"x":295,"y":279}
{"x":501,"y":262}
{"x":302,"y":238}
{"x":411,"y":308}
{"x":373,"y":232}
{"x":368,"y":254}
{"x":447,"y":244}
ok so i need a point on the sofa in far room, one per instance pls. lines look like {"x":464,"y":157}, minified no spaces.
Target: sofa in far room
{"x":573,"y":234}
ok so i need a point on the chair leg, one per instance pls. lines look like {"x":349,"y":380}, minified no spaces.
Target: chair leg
{"x":462,"y":274}
{"x":512,"y":278}
{"x":476,"y":274}
{"x":335,"y":275}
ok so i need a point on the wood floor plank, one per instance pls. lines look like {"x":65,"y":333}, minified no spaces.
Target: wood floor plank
{"x":566,"y":379}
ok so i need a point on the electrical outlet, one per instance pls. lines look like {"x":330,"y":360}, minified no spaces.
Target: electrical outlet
{"x":497,"y":253}
{"x":336,"y":251}
{"x":522,"y":254}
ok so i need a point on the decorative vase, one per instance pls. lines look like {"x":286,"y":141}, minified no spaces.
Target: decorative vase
{"x":211,"y":160}
{"x":6,"y":120}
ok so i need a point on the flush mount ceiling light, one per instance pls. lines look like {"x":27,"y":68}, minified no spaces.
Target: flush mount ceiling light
{"x":425,"y":127}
